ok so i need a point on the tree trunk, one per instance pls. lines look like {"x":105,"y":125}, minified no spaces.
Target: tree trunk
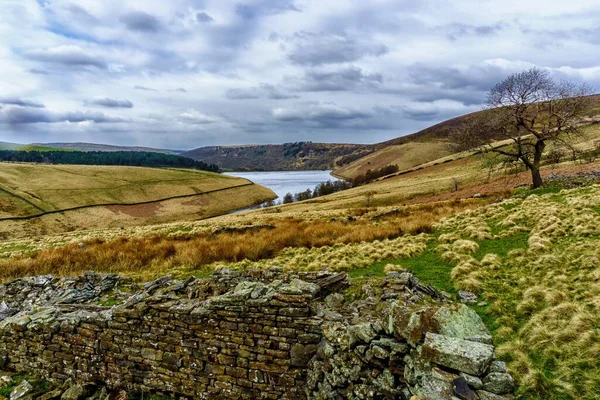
{"x":536,"y":178}
{"x":540,"y":145}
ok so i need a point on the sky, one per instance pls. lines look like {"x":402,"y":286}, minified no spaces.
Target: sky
{"x":182,"y":74}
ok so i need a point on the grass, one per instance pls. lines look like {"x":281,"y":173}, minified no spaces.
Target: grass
{"x":193,"y":252}
{"x":538,"y":267}
{"x":44,"y":186}
{"x":405,"y":156}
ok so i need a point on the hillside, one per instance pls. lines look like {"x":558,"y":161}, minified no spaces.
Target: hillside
{"x":102,"y":196}
{"x":104,"y":147}
{"x":418,"y":148}
{"x":281,"y":157}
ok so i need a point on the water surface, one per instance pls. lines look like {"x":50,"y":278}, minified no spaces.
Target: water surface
{"x":283,"y":182}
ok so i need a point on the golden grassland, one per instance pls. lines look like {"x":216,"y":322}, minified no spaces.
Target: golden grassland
{"x":405,"y":156}
{"x":56,"y":187}
{"x":184,"y":250}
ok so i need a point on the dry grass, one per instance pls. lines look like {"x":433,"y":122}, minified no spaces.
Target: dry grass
{"x":405,"y":156}
{"x":186,"y":249}
{"x":55,"y":187}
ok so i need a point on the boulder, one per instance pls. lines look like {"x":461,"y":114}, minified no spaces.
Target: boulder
{"x":21,"y":391}
{"x":360,"y":333}
{"x":75,"y":392}
{"x":462,"y":322}
{"x":498,"y":383}
{"x":459,"y":354}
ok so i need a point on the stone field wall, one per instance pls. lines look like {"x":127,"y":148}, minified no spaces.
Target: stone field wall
{"x":265,"y":336}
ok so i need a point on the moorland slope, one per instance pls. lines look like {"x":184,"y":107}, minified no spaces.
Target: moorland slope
{"x":108,"y":195}
{"x":280,"y":157}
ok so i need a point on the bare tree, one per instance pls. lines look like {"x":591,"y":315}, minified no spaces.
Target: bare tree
{"x":530,"y":110}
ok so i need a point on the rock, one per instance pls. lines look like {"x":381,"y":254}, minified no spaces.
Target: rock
{"x":462,"y":389}
{"x":3,"y":361}
{"x":472,"y":381}
{"x":6,"y":311}
{"x":498,"y":383}
{"x":53,"y":395}
{"x":101,"y":394}
{"x":463,"y":323}
{"x":477,"y":196}
{"x":75,"y":392}
{"x":302,"y":353}
{"x":484,"y":395}
{"x":498,"y":366}
{"x":360,"y":333}
{"x":81,"y":245}
{"x":408,"y":324}
{"x":334,"y":301}
{"x":459,"y":354}
{"x":433,"y":389}
{"x":21,"y":391}
{"x":5,"y":380}
{"x":379,"y":352}
{"x":467,"y":297}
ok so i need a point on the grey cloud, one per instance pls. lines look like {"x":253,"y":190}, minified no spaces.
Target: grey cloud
{"x":111,"y":103}
{"x":67,"y":56}
{"x":203,"y":17}
{"x":17,"y":101}
{"x":264,"y":7}
{"x":315,"y":49}
{"x":141,"y":21}
{"x":321,"y":112}
{"x":242,"y":94}
{"x":480,"y":77}
{"x":194,"y":117}
{"x":346,"y":79}
{"x":144,"y":88}
{"x":421,"y":114}
{"x":20,"y":115}
{"x":182,"y":90}
{"x":277,"y":93}
{"x":457,"y":31}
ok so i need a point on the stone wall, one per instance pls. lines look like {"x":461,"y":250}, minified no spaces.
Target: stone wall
{"x":253,"y":342}
{"x":260,"y":334}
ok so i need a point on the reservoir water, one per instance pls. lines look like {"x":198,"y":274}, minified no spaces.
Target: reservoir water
{"x":283,"y":182}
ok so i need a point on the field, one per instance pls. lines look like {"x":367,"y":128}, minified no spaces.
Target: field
{"x":115,"y":196}
{"x":405,"y":156}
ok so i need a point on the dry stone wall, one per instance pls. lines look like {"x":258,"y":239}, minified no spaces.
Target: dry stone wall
{"x":258,"y":334}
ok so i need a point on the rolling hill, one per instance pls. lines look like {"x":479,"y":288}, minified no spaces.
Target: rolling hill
{"x":280,"y":157}
{"x":104,"y":147}
{"x":423,"y":147}
{"x":36,"y":197}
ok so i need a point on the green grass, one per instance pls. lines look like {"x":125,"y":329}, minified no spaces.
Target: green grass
{"x":430,"y":268}
{"x":502,"y":246}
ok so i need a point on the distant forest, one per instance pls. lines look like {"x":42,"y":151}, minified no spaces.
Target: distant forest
{"x":126,"y":158}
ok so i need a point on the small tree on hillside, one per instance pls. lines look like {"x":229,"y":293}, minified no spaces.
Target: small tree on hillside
{"x":530,"y":110}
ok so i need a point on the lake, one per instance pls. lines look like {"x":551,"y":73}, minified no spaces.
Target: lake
{"x":283,"y":182}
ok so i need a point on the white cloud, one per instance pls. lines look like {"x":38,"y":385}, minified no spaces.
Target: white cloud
{"x":185,"y":73}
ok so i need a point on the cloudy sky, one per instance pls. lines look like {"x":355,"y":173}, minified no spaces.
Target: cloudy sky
{"x":189,"y":73}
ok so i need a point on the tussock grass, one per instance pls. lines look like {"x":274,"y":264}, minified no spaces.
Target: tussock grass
{"x":538,"y":265}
